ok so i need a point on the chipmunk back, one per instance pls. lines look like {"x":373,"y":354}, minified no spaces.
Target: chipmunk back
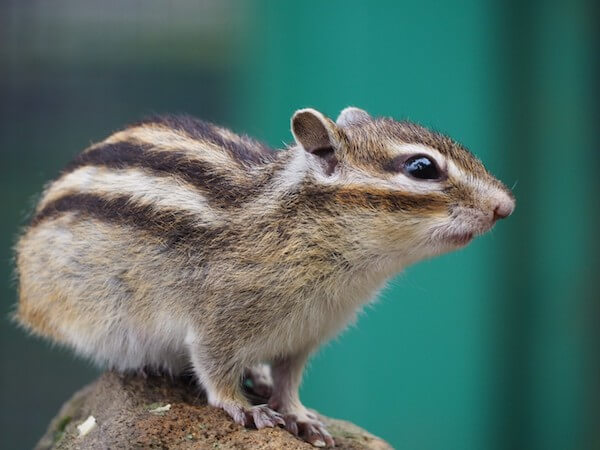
{"x":178,"y":245}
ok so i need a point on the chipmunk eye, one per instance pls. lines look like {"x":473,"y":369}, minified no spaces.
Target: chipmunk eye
{"x":421,"y":167}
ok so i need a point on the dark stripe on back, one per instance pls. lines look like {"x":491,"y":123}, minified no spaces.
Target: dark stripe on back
{"x":247,"y":150}
{"x":123,"y":155}
{"x":171,"y":225}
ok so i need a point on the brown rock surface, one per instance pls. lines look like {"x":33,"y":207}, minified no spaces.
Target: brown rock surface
{"x":122,"y":404}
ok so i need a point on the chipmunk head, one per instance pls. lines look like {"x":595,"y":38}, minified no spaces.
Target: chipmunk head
{"x":408,"y":190}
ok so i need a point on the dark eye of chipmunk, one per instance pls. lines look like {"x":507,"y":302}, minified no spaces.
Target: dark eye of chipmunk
{"x":421,"y":167}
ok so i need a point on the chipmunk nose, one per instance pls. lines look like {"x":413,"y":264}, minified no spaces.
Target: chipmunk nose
{"x":504,"y":208}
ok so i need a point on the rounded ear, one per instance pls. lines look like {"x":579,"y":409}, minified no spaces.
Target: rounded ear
{"x":312,"y":130}
{"x":316,"y":134}
{"x":352,"y":116}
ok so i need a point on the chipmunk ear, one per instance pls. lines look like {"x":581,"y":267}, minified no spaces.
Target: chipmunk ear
{"x":312,"y":130}
{"x":317,"y":134}
{"x":352,"y":116}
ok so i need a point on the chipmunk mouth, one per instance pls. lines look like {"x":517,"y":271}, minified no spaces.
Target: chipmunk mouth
{"x":460,"y":239}
{"x":453,"y":239}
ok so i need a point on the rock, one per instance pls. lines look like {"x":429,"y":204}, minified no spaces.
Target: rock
{"x":133,"y":412}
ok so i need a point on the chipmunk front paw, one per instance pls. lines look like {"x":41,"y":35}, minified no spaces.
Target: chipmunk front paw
{"x":259,"y":416}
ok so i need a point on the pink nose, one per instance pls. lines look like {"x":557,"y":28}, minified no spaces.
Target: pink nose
{"x":503,"y":210}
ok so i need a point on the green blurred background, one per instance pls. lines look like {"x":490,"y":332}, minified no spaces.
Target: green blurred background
{"x":493,"y":347}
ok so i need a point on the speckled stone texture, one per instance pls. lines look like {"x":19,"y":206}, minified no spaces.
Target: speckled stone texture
{"x":122,"y":405}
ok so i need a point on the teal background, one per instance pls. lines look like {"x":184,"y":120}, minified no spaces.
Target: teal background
{"x":492,"y":347}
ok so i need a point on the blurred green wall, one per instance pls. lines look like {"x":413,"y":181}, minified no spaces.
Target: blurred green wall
{"x":493,"y":347}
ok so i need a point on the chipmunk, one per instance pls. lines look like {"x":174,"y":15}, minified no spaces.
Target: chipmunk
{"x":175,"y":243}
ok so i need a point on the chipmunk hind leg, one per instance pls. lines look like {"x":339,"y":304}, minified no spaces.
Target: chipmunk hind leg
{"x":258,"y":382}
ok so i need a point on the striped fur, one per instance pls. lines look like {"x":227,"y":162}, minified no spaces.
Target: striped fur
{"x":212,"y":181}
{"x":175,"y":243}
